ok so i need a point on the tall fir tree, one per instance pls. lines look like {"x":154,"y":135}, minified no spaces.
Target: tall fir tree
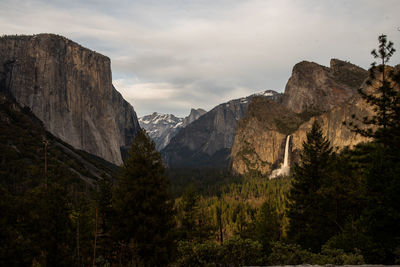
{"x":383,"y":95}
{"x":144,"y":214}
{"x":381,"y":215}
{"x":103,"y":204}
{"x":267,"y":226}
{"x":308,"y":225}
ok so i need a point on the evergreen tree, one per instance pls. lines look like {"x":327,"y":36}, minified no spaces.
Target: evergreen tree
{"x":49,"y":225}
{"x":144,"y":214}
{"x":308,"y":225}
{"x":383,"y":95}
{"x":103,"y":203}
{"x":381,"y":215}
{"x":189,"y":207}
{"x":194,"y":223}
{"x":267,"y":226}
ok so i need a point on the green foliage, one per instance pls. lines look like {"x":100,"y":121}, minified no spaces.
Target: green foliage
{"x":287,"y":254}
{"x":308,"y":224}
{"x":206,"y":181}
{"x":192,"y":221}
{"x":198,"y":254}
{"x":381,"y":215}
{"x":142,"y":204}
{"x":50,"y":225}
{"x":293,"y":254}
{"x":287,"y":125}
{"x":103,"y":204}
{"x":240,"y":252}
{"x":267,"y":226}
{"x":383,"y":95}
{"x":381,"y":169}
{"x":234,"y":252}
{"x":344,"y":208}
{"x":39,"y":222}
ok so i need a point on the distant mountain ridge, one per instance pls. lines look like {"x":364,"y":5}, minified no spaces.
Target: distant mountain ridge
{"x":162,"y":127}
{"x":207,"y":142}
{"x":248,"y":134}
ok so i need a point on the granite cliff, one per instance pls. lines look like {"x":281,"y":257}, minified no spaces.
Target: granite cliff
{"x":261,"y":134}
{"x":313,"y":92}
{"x":316,"y":88}
{"x":70,"y":89}
{"x":207,"y":142}
{"x":22,"y":151}
{"x":332,"y":126}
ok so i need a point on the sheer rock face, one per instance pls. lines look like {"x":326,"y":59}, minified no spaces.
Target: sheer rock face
{"x":314,"y":92}
{"x":207,"y":142}
{"x":313,"y":87}
{"x":259,"y":144}
{"x":332,"y":126}
{"x":260,"y":136}
{"x":70,"y":89}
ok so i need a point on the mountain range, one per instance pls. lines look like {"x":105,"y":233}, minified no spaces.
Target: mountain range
{"x":249,"y":134}
{"x":69,"y":88}
{"x":207,"y":142}
{"x":162,"y":127}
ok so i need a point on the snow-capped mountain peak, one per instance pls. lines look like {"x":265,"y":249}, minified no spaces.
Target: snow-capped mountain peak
{"x":162,"y":127}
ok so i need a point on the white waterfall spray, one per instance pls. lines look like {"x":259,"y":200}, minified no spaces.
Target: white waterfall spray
{"x":285,"y":168}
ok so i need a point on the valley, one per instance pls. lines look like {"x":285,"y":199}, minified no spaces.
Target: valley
{"x":292,"y":177}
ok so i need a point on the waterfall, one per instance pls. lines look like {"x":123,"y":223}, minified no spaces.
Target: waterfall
{"x":285,"y":168}
{"x":286,"y":159}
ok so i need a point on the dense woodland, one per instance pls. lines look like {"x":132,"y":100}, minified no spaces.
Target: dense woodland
{"x":336,"y":207}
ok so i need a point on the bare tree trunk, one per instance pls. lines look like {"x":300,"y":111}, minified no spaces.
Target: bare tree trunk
{"x":95,"y":241}
{"x":45,"y":142}
{"x":77,"y":242}
{"x":219,"y":218}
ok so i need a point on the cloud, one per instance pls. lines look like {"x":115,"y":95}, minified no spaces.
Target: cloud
{"x":170,"y":56}
{"x":150,"y":97}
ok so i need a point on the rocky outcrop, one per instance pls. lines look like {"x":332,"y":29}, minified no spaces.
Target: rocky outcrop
{"x":194,"y":115}
{"x":207,"y":142}
{"x":315,"y":88}
{"x":260,"y":136}
{"x":162,"y":127}
{"x":314,"y":92}
{"x":259,"y":144}
{"x":70,"y":89}
{"x":22,"y":151}
{"x":331,"y":122}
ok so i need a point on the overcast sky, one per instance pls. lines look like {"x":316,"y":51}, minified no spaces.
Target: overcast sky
{"x":170,"y":56}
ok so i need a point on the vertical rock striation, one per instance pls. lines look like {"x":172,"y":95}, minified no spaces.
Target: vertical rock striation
{"x":331,"y":122}
{"x":316,"y":88}
{"x":261,"y":135}
{"x":70,"y":89}
{"x":313,"y":92}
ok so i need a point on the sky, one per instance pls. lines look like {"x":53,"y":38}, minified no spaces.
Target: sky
{"x":170,"y":56}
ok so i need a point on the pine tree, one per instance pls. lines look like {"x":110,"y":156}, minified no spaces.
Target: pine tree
{"x":381,"y":215}
{"x":143,"y":220}
{"x":103,"y":203}
{"x":383,"y":95}
{"x":189,"y":213}
{"x":308,"y":226}
{"x":267,"y":226}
